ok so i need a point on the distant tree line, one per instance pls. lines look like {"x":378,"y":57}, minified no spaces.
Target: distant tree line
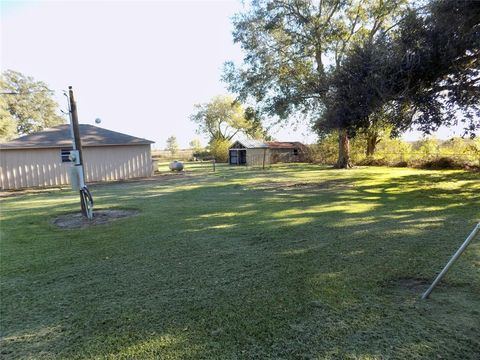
{"x":429,"y":152}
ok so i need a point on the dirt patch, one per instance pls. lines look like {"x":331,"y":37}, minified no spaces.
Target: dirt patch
{"x":76,"y":220}
{"x":414,"y":284}
{"x":286,"y":186}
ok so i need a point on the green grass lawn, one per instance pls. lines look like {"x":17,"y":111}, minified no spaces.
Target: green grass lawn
{"x":296,"y":262}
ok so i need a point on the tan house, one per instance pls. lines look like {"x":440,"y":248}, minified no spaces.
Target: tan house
{"x":42,"y":159}
{"x":258,"y":153}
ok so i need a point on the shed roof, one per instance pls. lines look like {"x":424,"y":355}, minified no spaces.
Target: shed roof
{"x":60,"y":136}
{"x":259,"y":144}
{"x":284,"y":145}
{"x":250,"y":144}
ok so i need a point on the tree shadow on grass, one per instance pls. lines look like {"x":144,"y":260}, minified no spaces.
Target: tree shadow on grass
{"x":223,"y":270}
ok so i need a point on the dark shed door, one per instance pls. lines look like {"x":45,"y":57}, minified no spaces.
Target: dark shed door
{"x":233,"y":157}
{"x":242,"y":157}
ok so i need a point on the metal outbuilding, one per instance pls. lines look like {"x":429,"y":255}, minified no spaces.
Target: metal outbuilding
{"x":42,"y":159}
{"x":259,"y":153}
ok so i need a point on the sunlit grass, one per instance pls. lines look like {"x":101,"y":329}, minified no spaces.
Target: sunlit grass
{"x":243,"y":263}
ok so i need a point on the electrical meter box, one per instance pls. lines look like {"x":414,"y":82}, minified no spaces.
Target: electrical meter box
{"x":74,"y":156}
{"x":75,"y":178}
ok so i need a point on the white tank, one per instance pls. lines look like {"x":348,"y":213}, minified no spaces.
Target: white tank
{"x":176,"y":165}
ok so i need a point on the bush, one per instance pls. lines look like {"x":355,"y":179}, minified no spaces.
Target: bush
{"x":443,"y":163}
{"x":203,"y":155}
{"x":373,"y":162}
{"x":401,"y":164}
{"x":324,"y":152}
{"x":219,"y":149}
{"x":428,"y":153}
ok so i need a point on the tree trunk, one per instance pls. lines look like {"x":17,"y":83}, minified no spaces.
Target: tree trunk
{"x":343,"y":151}
{"x":372,"y":141}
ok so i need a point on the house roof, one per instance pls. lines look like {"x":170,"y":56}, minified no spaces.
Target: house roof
{"x":60,"y":136}
{"x":259,"y":144}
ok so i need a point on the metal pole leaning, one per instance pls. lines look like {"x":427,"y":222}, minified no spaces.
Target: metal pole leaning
{"x":86,"y":200}
{"x":452,"y":260}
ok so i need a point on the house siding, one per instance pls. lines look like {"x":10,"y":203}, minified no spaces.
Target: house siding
{"x":26,"y":168}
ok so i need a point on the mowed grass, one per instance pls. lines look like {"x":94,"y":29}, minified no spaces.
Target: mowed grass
{"x":295,"y":262}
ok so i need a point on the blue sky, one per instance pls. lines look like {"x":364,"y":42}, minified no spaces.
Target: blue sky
{"x":138,"y":65}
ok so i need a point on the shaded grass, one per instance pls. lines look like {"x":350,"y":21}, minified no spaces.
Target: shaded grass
{"x":217,"y":266}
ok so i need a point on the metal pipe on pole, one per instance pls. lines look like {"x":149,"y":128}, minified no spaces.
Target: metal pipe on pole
{"x":452,"y":260}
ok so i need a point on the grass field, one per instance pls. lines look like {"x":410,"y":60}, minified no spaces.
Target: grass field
{"x":296,"y":262}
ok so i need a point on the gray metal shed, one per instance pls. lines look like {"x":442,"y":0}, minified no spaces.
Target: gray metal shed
{"x":257,"y":152}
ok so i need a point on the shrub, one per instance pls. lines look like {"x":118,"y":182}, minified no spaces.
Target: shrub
{"x":219,"y":149}
{"x":401,"y":164}
{"x":443,"y":163}
{"x":429,"y":153}
{"x":373,"y":162}
{"x":202,"y":155}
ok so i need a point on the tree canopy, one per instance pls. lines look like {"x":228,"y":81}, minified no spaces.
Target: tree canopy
{"x":172,"y":145}
{"x":224,"y":117}
{"x":293,"y":47}
{"x":8,"y":128}
{"x":427,"y":75}
{"x":196,"y":145}
{"x":27,"y":103}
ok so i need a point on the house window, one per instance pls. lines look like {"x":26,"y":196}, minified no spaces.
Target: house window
{"x":66,"y":155}
{"x":295,"y":151}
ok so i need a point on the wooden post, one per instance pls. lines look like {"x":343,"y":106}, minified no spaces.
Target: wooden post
{"x":76,"y":130}
{"x":86,"y":201}
{"x":213,"y":163}
{"x":264,"y":155}
{"x":77,"y":143}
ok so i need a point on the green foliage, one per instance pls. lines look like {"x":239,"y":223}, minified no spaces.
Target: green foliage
{"x":289,"y":48}
{"x":427,"y":148}
{"x":325,"y":151}
{"x":8,"y":128}
{"x":196,"y":146}
{"x":292,"y":50}
{"x":397,"y":152}
{"x":223,"y":118}
{"x":426,"y":74}
{"x":219,"y":149}
{"x":256,"y":130}
{"x":172,"y":145}
{"x":30,"y":105}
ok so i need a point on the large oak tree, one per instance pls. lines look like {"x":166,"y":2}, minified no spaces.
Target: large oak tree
{"x":427,"y":75}
{"x":293,"y":47}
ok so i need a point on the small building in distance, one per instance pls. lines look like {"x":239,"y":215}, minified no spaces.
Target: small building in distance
{"x":42,"y":159}
{"x":258,"y":152}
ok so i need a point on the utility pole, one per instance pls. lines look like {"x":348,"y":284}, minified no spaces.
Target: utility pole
{"x":77,"y":175}
{"x":75,"y":128}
